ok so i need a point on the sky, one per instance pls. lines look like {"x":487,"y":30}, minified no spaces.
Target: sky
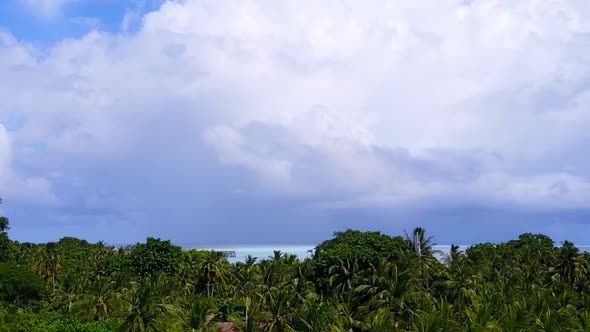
{"x":263,"y":122}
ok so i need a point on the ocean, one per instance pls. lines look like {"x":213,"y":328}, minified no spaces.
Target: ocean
{"x":266,"y":251}
{"x":301,"y":251}
{"x":259,"y":251}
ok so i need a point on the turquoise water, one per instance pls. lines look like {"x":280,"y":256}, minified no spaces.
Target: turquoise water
{"x":260,"y":251}
{"x":301,"y":251}
{"x":266,"y":251}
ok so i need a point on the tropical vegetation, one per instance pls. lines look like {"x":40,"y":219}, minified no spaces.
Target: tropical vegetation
{"x":356,"y":281}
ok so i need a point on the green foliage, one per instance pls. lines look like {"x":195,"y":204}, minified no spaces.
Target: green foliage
{"x":7,"y":247}
{"x":19,"y":285}
{"x":147,"y":306}
{"x":200,"y":313}
{"x":4,"y":226}
{"x":362,"y":248}
{"x":46,"y":321}
{"x":355,"y":282}
{"x":155,"y":256}
{"x":73,"y":245}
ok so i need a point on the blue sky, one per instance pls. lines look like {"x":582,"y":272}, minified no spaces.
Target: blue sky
{"x":212,"y":122}
{"x":45,"y":22}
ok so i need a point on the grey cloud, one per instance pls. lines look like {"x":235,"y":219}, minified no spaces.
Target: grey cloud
{"x":284,"y":124}
{"x":367,"y":174}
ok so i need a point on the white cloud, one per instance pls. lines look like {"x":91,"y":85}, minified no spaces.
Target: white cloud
{"x":4,"y":149}
{"x":46,"y":8}
{"x":234,"y":151}
{"x":14,"y":188}
{"x":541,"y":192}
{"x":373,"y":102}
{"x":339,"y":172}
{"x":89,"y":22}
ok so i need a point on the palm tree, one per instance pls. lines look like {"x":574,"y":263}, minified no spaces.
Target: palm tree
{"x":315,"y":314}
{"x":247,"y":277}
{"x":278,"y":301}
{"x":382,"y":321}
{"x":49,"y":264}
{"x":277,"y":255}
{"x":480,"y":317}
{"x":440,"y":316}
{"x":213,"y":269}
{"x":99,"y":254}
{"x":453,"y":256}
{"x":99,"y":300}
{"x":148,"y":306}
{"x":189,"y":274}
{"x":250,"y":261}
{"x":421,"y":244}
{"x":552,"y":320}
{"x":461,"y":285}
{"x":387,"y":287}
{"x":201,"y":314}
{"x":342,"y":280}
{"x":570,"y":265}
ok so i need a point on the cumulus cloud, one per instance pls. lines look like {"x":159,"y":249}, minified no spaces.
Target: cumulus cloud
{"x":333,"y":104}
{"x":345,"y":174}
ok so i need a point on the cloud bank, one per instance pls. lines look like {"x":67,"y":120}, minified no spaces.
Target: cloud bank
{"x":277,"y":116}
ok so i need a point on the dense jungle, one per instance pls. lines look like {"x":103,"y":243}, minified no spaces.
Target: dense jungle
{"x":356,"y":281}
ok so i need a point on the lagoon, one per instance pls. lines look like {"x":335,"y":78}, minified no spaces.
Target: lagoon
{"x":302,"y":251}
{"x":259,"y":251}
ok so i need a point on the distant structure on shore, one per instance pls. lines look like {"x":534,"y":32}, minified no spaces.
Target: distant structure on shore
{"x":228,"y":253}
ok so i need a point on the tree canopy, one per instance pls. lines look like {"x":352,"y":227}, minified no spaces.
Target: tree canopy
{"x":355,"y":282}
{"x":19,"y":284}
{"x":6,"y":246}
{"x":154,"y":256}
